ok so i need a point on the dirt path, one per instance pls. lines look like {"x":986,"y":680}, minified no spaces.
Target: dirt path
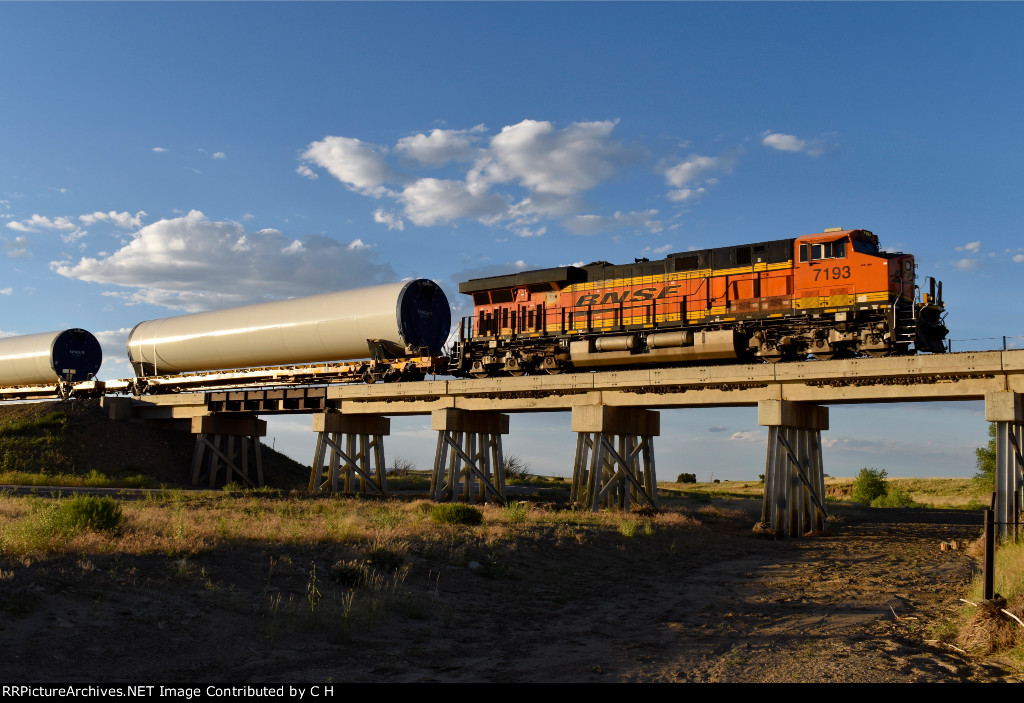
{"x":715,"y":604}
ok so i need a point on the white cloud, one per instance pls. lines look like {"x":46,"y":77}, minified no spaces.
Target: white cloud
{"x":306,"y":171}
{"x":690,"y":178}
{"x":389,"y":219}
{"x":432,"y":201}
{"x":967,"y":264}
{"x":441,"y":146}
{"x":193,"y":263}
{"x":528,"y":172}
{"x":6,"y":291}
{"x":38,"y":222}
{"x":114,"y":338}
{"x":357,"y":164}
{"x":1018,"y":258}
{"x":972,"y":247}
{"x":545,"y":160}
{"x":159,"y":149}
{"x":17,"y":247}
{"x":125,"y":220}
{"x":788,"y":142}
{"x":784,"y":142}
{"x":748,"y":436}
{"x":219,"y":155}
{"x":593,"y":224}
{"x":529,"y":231}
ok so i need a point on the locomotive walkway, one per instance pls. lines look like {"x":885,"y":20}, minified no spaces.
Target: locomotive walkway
{"x":614,"y":416}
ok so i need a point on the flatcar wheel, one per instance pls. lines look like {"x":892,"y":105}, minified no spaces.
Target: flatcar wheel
{"x":479,"y":374}
{"x":773,"y":357}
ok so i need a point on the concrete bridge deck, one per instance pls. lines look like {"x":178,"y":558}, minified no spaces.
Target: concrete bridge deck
{"x":922,"y":378}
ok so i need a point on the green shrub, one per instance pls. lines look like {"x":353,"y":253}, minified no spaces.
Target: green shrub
{"x":869,"y":484}
{"x":456,"y":514}
{"x":516,"y":512}
{"x":895,"y":498}
{"x":985,"y":461}
{"x":686,"y":478}
{"x":89,"y":513}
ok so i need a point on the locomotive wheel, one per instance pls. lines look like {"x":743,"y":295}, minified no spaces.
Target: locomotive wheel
{"x":876,"y":353}
{"x":551,"y":365}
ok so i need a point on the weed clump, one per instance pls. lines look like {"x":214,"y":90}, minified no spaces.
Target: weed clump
{"x":456,"y":514}
{"x":517,"y":470}
{"x":385,"y":559}
{"x":89,"y":513}
{"x":350,"y":573}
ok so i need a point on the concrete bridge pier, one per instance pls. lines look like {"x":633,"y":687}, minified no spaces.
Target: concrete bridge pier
{"x":468,"y":454}
{"x":614,"y":466}
{"x":1006,"y":409}
{"x":359,"y":466}
{"x":228,"y":442}
{"x":794,"y":480}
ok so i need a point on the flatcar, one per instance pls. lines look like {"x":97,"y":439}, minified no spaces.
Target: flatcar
{"x":49,"y":358}
{"x":830,"y":294}
{"x":397,"y":329}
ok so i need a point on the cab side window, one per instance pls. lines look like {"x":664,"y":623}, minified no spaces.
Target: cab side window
{"x":825,"y":250}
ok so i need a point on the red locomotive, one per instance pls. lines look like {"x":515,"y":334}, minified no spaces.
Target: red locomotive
{"x":832,"y":294}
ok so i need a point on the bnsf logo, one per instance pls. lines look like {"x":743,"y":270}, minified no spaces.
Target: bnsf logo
{"x":626,"y":296}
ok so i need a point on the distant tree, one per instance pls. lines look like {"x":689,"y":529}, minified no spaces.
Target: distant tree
{"x":985,"y":461}
{"x":687,"y":478}
{"x":869,"y":485}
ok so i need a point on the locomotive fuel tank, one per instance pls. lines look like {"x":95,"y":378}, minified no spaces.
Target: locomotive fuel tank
{"x":407,"y":317}
{"x":49,"y":357}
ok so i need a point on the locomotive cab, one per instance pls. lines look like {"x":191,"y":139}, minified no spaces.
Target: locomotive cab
{"x":868,"y":293}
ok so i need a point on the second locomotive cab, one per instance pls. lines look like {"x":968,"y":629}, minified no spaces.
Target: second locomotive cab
{"x":832,"y":294}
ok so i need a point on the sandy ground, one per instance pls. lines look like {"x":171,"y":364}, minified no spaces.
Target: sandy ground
{"x":866,"y":603}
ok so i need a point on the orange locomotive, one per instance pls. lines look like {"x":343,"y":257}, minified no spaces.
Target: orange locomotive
{"x":831,"y":294}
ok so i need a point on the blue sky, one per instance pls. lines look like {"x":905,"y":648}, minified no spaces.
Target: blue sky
{"x":163,"y":158}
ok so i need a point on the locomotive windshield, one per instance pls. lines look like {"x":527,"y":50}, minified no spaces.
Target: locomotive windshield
{"x":863,"y":246}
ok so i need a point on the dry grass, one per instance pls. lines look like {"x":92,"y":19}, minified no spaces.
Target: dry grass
{"x":180,"y":523}
{"x":984,"y":627}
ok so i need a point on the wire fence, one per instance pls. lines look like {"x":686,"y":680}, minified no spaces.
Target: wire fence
{"x":987,"y":343}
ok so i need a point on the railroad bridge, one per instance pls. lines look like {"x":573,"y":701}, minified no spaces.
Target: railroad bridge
{"x":614,"y":415}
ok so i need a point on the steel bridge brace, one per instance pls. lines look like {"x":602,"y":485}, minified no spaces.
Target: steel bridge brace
{"x":794,"y":480}
{"x":614,"y":465}
{"x":358,"y":467}
{"x":468,"y":456}
{"x":228,"y":442}
{"x":1006,"y":409}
